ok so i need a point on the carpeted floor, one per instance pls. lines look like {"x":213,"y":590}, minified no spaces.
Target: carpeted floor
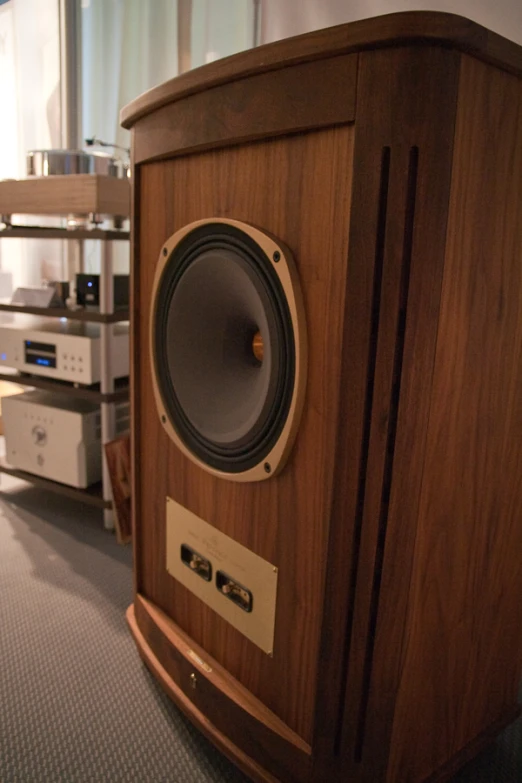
{"x":76,"y":703}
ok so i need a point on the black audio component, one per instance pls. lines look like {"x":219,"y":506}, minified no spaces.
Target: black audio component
{"x":88,"y":290}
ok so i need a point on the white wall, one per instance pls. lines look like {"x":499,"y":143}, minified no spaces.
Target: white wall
{"x":284,"y":18}
{"x":29,"y":118}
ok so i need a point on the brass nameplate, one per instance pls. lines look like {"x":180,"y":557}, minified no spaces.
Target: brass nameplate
{"x":235,"y":582}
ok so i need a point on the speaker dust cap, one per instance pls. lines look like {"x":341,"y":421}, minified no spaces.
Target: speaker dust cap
{"x":228,"y":348}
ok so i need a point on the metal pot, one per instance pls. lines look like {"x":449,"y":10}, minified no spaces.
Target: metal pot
{"x":46,"y":163}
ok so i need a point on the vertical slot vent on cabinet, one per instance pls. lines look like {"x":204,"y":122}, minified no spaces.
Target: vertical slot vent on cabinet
{"x":390,"y":444}
{"x":382,"y":212}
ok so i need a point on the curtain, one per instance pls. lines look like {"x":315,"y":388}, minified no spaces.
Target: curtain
{"x":282,"y":19}
{"x":29,"y":84}
{"x":128,"y":46}
{"x":220,"y":28}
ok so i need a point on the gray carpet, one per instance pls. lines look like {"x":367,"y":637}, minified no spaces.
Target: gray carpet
{"x":76,"y":703}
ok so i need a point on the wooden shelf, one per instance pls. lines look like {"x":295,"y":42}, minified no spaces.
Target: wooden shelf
{"x":62,"y":312}
{"x":78,"y":194}
{"x":91,"y":393}
{"x":48,"y":232}
{"x":92,"y":495}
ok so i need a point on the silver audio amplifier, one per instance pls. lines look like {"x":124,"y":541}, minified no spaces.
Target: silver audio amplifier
{"x":57,"y":437}
{"x":63,"y":349}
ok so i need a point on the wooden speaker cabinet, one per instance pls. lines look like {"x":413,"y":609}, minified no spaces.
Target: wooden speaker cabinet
{"x":386,"y":155}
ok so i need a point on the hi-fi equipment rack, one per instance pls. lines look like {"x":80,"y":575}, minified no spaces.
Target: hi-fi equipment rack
{"x":92,"y":196}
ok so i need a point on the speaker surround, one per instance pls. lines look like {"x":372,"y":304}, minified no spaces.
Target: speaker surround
{"x":223,"y":287}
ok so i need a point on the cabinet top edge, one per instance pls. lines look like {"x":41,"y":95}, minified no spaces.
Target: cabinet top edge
{"x":430,"y":28}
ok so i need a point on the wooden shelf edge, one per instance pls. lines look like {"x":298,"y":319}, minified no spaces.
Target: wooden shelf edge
{"x":231,"y":751}
{"x":61,"y":195}
{"x":50,"y":232}
{"x":92,"y":496}
{"x":73,"y":315}
{"x":62,"y":387}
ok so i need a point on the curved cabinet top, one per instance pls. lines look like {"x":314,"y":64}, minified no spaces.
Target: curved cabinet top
{"x":412,"y":27}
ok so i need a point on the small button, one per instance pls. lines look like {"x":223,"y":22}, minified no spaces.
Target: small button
{"x":80,"y":359}
{"x":65,"y":356}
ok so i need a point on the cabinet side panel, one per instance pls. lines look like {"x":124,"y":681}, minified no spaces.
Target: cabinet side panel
{"x":463,"y":644}
{"x":402,"y":171}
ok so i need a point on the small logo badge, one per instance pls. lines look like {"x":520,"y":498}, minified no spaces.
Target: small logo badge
{"x":39,"y":434}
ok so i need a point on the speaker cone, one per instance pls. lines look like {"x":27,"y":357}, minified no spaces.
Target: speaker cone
{"x":224,"y":347}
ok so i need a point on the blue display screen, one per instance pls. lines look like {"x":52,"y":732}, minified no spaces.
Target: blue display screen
{"x":42,"y":354}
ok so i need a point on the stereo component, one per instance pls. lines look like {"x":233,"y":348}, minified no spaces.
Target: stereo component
{"x":61,"y":348}
{"x":88,"y":290}
{"x":57,"y":437}
{"x":326,"y":410}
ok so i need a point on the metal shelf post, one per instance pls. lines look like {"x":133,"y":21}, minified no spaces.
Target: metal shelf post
{"x":108,"y":418}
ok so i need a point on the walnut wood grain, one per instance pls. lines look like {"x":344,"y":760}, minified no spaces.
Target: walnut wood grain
{"x":302,"y":190}
{"x":463,"y":637}
{"x":63,"y":195}
{"x":229,"y":706}
{"x":417,"y":27}
{"x":421,"y":86}
{"x":394,"y":524}
{"x":252,"y":108}
{"x":476,"y":746}
{"x":198,"y":717}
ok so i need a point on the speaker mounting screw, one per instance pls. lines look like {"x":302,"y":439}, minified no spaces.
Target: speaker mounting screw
{"x":267,"y":467}
{"x":276,"y":256}
{"x":165,"y":251}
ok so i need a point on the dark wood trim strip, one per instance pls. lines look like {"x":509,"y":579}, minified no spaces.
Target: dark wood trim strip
{"x":252,"y":108}
{"x":363,"y":465}
{"x":390,"y":444}
{"x":407,"y":28}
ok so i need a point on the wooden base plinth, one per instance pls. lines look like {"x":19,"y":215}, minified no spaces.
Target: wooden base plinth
{"x":249,"y":765}
{"x":231,"y":751}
